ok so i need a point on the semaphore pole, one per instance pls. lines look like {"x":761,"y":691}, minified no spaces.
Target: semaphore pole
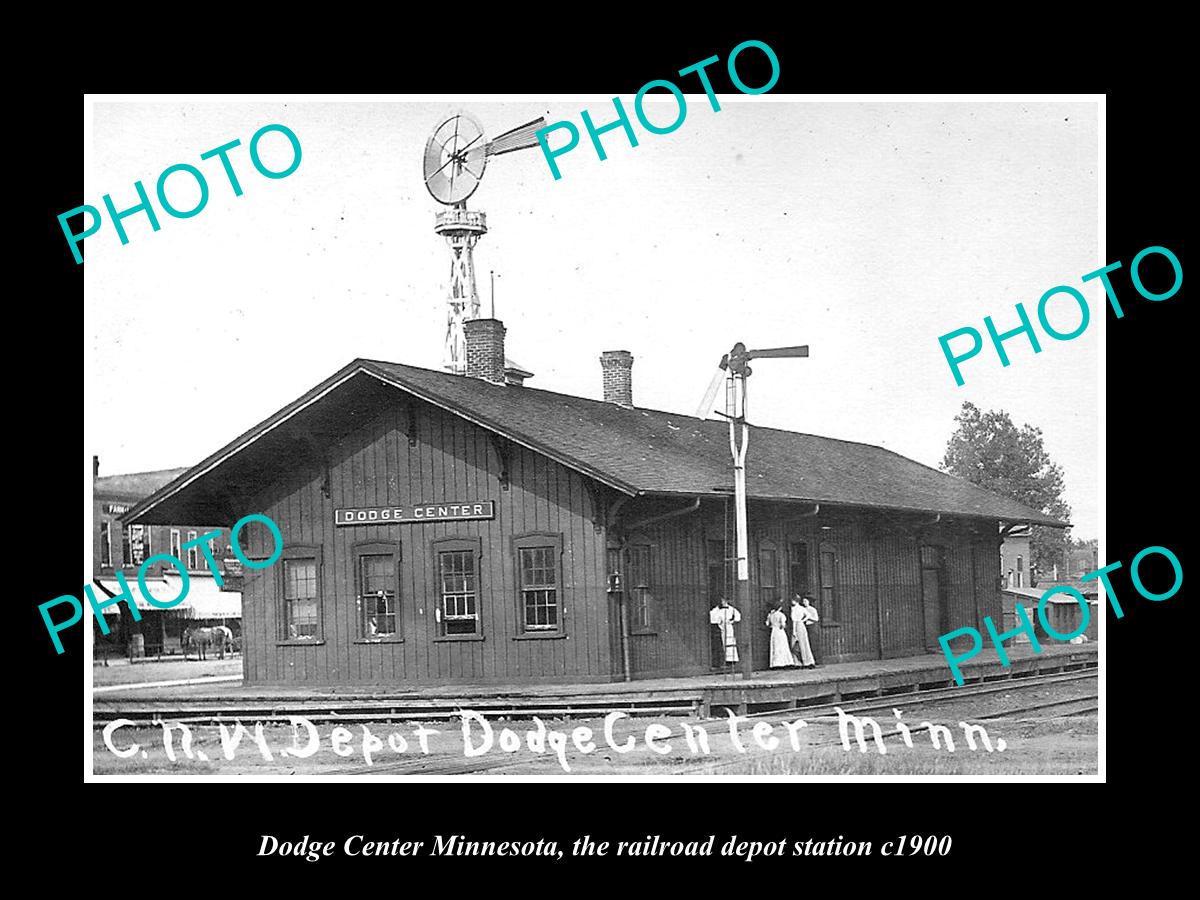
{"x":739,"y":429}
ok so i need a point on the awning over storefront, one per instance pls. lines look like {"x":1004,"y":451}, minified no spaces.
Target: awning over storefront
{"x":158,"y":588}
{"x":1034,"y":595}
{"x":205,"y":600}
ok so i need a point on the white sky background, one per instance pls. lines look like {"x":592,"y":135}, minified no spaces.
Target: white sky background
{"x":863,"y":230}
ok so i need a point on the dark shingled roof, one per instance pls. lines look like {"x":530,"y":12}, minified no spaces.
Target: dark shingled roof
{"x":644,"y":451}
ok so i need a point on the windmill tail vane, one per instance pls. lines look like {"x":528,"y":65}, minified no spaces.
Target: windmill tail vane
{"x":520,"y":138}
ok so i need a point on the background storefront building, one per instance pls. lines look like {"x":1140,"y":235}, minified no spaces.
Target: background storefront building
{"x":118,"y":546}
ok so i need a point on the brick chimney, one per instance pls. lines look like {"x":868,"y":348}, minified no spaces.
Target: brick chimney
{"x":485,"y":349}
{"x":617,"y":366}
{"x":95,"y":466}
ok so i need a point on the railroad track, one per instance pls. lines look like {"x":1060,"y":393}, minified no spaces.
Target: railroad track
{"x":362,"y":711}
{"x":888,"y":701}
{"x":1090,"y":700}
{"x":812,"y":714}
{"x":354,"y":710}
{"x":365,"y":710}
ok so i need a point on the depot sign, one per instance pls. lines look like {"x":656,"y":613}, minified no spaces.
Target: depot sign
{"x":422,"y":512}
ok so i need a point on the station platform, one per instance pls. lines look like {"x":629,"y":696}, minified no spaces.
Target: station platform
{"x":695,"y":695}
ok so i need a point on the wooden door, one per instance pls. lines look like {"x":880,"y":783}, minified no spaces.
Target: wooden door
{"x":798,"y":574}
{"x":769,"y":594}
{"x":932,"y":599}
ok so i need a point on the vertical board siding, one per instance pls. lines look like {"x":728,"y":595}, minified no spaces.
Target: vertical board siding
{"x":678,"y":643}
{"x":987,"y":585}
{"x":452,"y":460}
{"x":899,"y":568}
{"x":960,"y":585}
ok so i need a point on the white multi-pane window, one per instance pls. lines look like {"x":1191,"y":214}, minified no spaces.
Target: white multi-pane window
{"x":378,"y":590}
{"x":301,"y":611}
{"x":540,"y":583}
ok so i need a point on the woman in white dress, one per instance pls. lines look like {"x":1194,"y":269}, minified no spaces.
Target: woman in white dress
{"x":781,"y":652}
{"x":723,"y":617}
{"x":802,"y":614}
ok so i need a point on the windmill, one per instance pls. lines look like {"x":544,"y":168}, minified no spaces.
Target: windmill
{"x":734,"y":370}
{"x":456,"y":156}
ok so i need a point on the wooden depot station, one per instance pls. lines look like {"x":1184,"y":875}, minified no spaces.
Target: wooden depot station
{"x":442,"y":528}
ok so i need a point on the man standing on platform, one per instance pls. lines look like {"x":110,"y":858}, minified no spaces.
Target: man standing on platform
{"x":722,"y":618}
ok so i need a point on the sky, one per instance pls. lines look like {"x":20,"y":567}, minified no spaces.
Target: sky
{"x":865,"y":230}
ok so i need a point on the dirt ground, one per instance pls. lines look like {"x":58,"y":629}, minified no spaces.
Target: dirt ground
{"x":1039,"y":742}
{"x":121,"y":671}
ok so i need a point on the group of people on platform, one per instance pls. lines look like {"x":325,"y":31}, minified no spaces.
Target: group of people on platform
{"x":791,"y":644}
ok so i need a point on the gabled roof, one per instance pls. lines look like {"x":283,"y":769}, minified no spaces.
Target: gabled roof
{"x":633,"y":450}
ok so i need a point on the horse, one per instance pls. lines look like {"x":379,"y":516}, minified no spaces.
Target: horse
{"x":200,"y":638}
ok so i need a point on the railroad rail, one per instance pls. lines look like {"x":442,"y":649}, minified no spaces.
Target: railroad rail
{"x":400,"y":709}
{"x":1090,"y":700}
{"x":929,"y":695}
{"x":420,"y":766}
{"x":386,"y":711}
{"x":347,"y":711}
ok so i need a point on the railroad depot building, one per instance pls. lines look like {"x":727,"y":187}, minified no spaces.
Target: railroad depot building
{"x":443,"y":528}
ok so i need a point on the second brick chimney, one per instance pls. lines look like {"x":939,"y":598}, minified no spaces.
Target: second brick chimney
{"x":485,"y":349}
{"x":617,"y":366}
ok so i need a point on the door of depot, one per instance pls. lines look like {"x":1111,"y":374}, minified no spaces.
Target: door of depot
{"x":933,"y":598}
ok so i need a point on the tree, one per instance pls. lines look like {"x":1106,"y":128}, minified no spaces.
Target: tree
{"x":987,"y":449}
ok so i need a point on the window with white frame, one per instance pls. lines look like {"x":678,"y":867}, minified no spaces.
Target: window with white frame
{"x":377,"y":573}
{"x":458,"y":586}
{"x":540,"y":583}
{"x":300,"y":611}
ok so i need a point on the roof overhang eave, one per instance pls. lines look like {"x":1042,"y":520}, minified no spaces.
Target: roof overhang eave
{"x":716,"y":493}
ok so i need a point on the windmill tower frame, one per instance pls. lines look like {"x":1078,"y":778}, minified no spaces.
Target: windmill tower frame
{"x":456,"y":156}
{"x":462,"y":228}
